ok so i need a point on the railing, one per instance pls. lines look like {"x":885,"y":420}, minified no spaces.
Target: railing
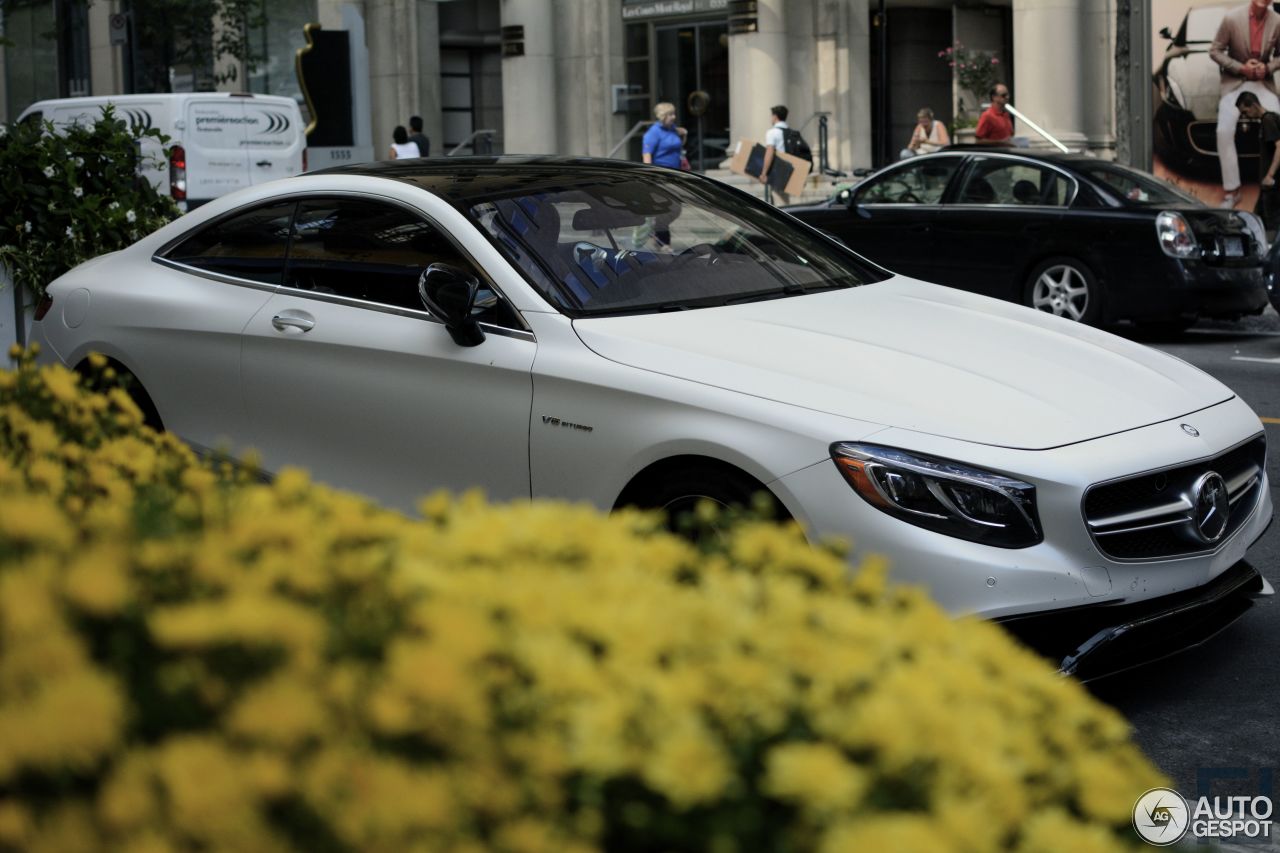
{"x":1038,"y":129}
{"x":636,"y":128}
{"x":823,"y":166}
{"x":486,"y":135}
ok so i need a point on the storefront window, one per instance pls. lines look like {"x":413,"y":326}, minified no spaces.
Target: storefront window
{"x":277,"y":44}
{"x":31,"y":59}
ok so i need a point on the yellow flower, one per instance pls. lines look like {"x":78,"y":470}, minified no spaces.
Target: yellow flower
{"x":814,"y":776}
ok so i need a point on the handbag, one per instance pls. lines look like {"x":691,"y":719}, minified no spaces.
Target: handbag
{"x":684,"y":164}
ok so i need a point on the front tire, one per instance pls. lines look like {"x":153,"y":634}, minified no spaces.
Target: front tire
{"x":1066,"y":288}
{"x":678,"y":491}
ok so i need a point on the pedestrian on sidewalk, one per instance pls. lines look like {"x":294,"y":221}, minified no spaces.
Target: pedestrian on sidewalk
{"x":1245,"y":48}
{"x":663,"y":141}
{"x":1268,"y":205}
{"x":417,"y":137}
{"x":401,"y":147}
{"x":928,"y":136}
{"x":995,"y":125}
{"x":775,"y":141}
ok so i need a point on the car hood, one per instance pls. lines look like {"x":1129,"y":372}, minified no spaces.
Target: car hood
{"x":918,"y":356}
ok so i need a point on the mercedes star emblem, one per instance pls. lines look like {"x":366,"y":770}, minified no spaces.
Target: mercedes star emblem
{"x":1190,"y":430}
{"x":1211,"y":507}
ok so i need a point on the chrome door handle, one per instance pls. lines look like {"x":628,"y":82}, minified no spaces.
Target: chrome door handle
{"x":299,"y":320}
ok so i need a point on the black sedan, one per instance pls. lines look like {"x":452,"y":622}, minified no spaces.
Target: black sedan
{"x":1076,"y":236}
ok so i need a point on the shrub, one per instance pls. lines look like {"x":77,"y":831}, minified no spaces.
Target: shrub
{"x":72,"y":195}
{"x":976,"y":71}
{"x":192,"y":659}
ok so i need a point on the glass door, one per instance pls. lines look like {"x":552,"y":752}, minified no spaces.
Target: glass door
{"x":694,"y":58}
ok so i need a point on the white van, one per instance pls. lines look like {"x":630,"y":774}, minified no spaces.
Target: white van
{"x":221,"y":141}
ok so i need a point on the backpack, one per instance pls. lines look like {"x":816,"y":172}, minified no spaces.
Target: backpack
{"x":793,"y":143}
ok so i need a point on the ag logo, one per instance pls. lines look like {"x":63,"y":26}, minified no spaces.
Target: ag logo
{"x":1161,"y":817}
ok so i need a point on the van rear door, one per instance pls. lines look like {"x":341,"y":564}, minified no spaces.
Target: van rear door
{"x":274,"y":138}
{"x":214,"y":140}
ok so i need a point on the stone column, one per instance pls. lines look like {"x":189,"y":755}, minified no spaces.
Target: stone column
{"x":529,"y":84}
{"x":392,"y":34}
{"x":589,"y":58}
{"x":758,"y":73}
{"x":428,"y":101}
{"x":1051,"y":67}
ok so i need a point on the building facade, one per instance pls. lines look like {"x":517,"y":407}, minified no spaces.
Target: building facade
{"x":577,"y":76}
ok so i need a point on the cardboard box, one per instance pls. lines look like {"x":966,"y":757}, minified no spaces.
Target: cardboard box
{"x":748,"y":157}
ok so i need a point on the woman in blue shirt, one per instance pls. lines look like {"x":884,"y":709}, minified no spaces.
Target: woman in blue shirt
{"x":663,"y":140}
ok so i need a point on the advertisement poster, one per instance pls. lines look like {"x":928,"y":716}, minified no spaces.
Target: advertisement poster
{"x":1187,"y":91}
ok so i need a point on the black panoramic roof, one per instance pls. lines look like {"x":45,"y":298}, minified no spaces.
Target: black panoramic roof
{"x":468,"y":178}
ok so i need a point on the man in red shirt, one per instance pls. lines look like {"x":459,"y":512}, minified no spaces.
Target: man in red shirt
{"x":995,"y":125}
{"x":1245,"y":49}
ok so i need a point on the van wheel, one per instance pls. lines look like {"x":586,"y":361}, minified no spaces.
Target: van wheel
{"x":1067,"y":288}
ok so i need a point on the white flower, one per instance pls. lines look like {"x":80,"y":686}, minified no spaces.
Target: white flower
{"x":26,"y":226}
{"x":48,"y":171}
{"x":77,"y":192}
{"x":131,"y":216}
{"x":115,"y":205}
{"x":79,"y":161}
{"x":71,"y":231}
{"x":3,"y":130}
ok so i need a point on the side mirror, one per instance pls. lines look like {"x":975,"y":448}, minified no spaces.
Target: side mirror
{"x":450,"y":294}
{"x":844,"y":197}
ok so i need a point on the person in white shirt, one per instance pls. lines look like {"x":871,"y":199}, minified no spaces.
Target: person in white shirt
{"x":929,"y":135}
{"x":775,"y":140}
{"x":401,"y":147}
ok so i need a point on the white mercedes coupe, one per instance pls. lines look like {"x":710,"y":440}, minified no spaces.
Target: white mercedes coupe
{"x":621,"y":334}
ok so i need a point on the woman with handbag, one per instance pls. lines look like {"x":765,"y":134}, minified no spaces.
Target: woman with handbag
{"x":663,"y":141}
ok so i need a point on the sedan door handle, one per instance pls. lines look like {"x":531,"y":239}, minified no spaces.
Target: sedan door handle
{"x":300,"y":320}
{"x":264,"y":162}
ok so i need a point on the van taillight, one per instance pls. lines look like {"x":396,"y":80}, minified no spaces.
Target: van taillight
{"x":43,"y":306}
{"x":178,"y":173}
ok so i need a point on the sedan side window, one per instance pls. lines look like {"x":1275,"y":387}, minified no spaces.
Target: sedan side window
{"x":376,"y":252}
{"x":1006,"y":182}
{"x":250,"y":245}
{"x":916,"y":183}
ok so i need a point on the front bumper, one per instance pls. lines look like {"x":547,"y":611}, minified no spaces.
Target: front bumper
{"x":1065,"y":571}
{"x":1105,"y":639}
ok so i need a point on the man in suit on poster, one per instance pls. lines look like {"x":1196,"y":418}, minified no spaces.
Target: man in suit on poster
{"x":1245,"y":50}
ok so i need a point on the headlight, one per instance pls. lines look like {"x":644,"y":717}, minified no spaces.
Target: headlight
{"x":1257,"y":230}
{"x":941,"y":495}
{"x":1175,"y":235}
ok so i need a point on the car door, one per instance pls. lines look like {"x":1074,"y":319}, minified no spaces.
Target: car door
{"x":890,"y":216}
{"x":347,"y":375}
{"x":1003,"y":212}
{"x":186,"y":345}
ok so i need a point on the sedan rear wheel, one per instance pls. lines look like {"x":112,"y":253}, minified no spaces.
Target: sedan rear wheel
{"x":1067,"y":288}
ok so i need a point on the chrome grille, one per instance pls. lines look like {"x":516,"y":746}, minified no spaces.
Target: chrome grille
{"x":1151,"y":516}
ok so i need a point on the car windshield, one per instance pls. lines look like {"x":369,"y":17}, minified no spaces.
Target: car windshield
{"x":600,"y":243}
{"x":1136,"y":187}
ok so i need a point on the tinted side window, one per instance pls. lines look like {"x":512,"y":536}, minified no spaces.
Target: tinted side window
{"x":375,"y":252}
{"x":917,"y":183}
{"x":248,"y":245}
{"x":1016,"y":183}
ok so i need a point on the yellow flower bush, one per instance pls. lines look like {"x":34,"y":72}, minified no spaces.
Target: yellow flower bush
{"x":191,"y":659}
